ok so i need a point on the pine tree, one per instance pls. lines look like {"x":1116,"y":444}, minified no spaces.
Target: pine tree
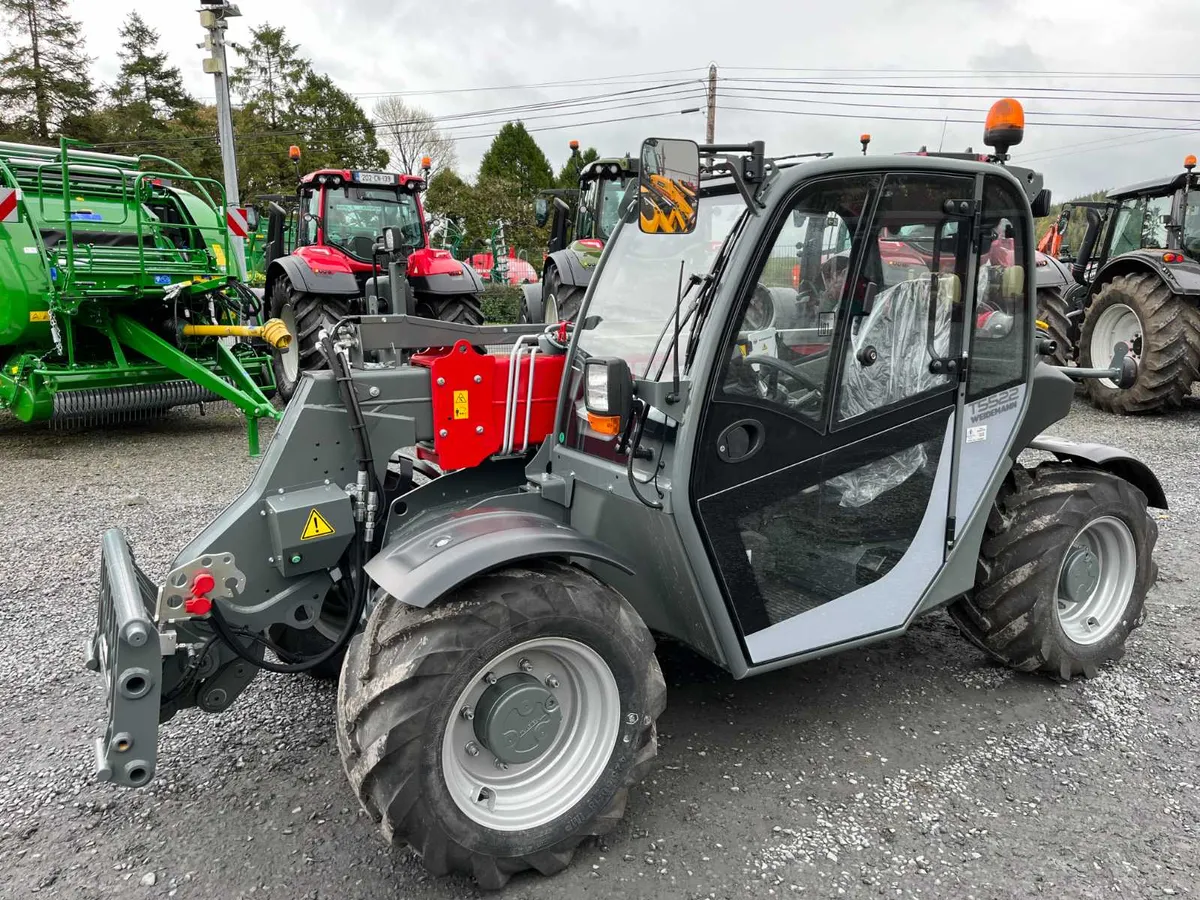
{"x":145,"y":77}
{"x":44,"y":77}
{"x":273,"y":70}
{"x":515,"y":156}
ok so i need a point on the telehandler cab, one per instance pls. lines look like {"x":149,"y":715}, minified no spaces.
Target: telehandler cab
{"x":764,"y":472}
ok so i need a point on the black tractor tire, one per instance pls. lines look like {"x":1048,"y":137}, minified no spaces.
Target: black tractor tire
{"x":310,"y":313}
{"x":1169,"y":346}
{"x":566,"y":300}
{"x":400,"y":687}
{"x":1013,"y":611}
{"x":466,"y":309}
{"x":1053,"y":306}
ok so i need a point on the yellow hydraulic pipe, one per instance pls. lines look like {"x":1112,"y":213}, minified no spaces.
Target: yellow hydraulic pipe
{"x":273,"y":331}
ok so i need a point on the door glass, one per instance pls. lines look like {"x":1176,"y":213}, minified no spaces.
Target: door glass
{"x":906,"y":326}
{"x":999,"y":349}
{"x":786,"y":330}
{"x":310,"y":210}
{"x":1154,"y":231}
{"x":586,"y":217}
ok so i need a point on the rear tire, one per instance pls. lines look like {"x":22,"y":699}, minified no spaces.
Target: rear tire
{"x":304,"y":315}
{"x":1053,"y":306}
{"x":1031,"y":607}
{"x":1165,"y":339}
{"x":406,"y":745}
{"x":463,"y":308}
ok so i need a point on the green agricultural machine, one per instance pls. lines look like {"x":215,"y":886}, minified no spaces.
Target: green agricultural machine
{"x":115,"y":298}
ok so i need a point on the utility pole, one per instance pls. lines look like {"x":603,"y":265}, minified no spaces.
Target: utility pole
{"x":212,"y":18}
{"x":712,"y":104}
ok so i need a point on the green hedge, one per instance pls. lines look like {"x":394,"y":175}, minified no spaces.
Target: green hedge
{"x":501,"y":304}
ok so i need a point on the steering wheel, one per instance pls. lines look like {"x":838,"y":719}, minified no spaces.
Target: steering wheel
{"x":787,"y":369}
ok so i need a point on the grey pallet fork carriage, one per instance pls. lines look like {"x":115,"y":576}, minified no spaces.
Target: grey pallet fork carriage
{"x":764,"y":467}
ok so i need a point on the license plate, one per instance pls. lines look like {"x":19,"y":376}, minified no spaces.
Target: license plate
{"x":375,"y":178}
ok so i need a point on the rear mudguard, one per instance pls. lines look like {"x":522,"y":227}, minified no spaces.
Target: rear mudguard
{"x":1051,"y":273}
{"x":1118,"y":462}
{"x":571,"y":271}
{"x":1182,"y":278}
{"x":466,"y":281}
{"x":305,"y":279}
{"x":418,"y":567}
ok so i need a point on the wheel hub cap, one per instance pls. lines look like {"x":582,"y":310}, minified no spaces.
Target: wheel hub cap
{"x":517,"y":718}
{"x":1080,"y":575}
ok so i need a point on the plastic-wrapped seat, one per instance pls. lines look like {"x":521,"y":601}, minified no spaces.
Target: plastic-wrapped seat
{"x":898,"y":330}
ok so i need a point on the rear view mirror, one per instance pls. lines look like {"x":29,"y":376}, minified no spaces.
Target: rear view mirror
{"x":541,"y":211}
{"x":1040,"y":207}
{"x":252,"y":218}
{"x":668,"y":186}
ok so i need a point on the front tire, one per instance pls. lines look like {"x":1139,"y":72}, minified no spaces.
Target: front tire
{"x":1065,"y":564}
{"x":559,"y":675}
{"x":304,"y":315}
{"x":560,"y":303}
{"x":1054,"y":306}
{"x":1161,"y":332}
{"x":463,"y":308}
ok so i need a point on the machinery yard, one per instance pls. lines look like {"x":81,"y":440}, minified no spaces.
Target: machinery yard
{"x":915,"y":768}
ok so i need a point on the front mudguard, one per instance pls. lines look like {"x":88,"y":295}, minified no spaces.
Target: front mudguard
{"x":1110,"y":459}
{"x":420,"y":566}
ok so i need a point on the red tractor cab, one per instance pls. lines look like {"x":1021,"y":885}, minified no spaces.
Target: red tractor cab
{"x":358,"y":244}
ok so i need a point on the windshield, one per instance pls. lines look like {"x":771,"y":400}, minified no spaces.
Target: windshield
{"x":356,"y":216}
{"x":1191,"y":226}
{"x":633,"y":295}
{"x":609,"y":206}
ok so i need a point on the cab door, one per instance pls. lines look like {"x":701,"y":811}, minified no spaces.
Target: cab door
{"x":822,"y":480}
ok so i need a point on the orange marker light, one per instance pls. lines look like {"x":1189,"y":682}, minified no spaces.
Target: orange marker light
{"x":426,"y":162}
{"x":865,"y":138}
{"x":1189,"y":162}
{"x":574,"y":145}
{"x":293,"y":153}
{"x":610,"y":425}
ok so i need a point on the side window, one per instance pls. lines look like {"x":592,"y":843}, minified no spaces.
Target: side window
{"x":311,"y":207}
{"x":1154,"y":232}
{"x":908,"y":320}
{"x":999,"y":349}
{"x":585,"y":218}
{"x":1127,"y":229}
{"x":781,"y":354}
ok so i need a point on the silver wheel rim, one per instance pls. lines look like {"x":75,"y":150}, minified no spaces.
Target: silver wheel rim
{"x":1095,"y":581}
{"x":527,"y":795}
{"x":291,"y":356}
{"x":551,"y":312}
{"x":1117,"y":324}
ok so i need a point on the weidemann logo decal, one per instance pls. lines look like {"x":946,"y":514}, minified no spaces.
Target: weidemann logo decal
{"x":992,"y":406}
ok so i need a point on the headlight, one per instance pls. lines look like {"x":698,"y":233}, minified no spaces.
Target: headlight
{"x":597,"y":389}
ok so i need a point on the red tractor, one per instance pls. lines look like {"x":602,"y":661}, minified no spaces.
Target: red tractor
{"x":358,"y":244}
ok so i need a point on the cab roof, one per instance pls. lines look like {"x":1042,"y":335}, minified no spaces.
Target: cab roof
{"x":373,"y":179}
{"x":1154,"y":188}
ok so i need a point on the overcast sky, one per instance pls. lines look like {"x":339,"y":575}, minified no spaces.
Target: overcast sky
{"x":847,"y":60}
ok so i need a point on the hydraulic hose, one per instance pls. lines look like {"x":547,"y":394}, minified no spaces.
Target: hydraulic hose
{"x":363,"y":540}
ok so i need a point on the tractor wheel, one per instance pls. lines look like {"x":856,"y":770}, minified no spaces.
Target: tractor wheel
{"x":463,"y":308}
{"x":1161,"y":332}
{"x":1064,"y":568}
{"x":304,"y":315}
{"x":496,"y":731}
{"x":309,"y":642}
{"x":560,"y":303}
{"x":1053,"y":306}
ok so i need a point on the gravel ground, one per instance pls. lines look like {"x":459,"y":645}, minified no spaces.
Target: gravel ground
{"x":914,"y":768}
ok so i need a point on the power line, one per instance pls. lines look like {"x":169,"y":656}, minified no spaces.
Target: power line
{"x":924,"y":90}
{"x":966,"y":73}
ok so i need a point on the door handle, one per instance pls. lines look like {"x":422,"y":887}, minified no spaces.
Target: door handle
{"x":740,"y":441}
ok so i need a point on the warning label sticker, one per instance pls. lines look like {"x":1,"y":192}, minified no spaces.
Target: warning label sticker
{"x":460,"y":405}
{"x":39,"y":315}
{"x":315,"y":527}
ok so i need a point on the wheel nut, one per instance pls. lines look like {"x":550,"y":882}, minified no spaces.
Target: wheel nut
{"x":631,"y":719}
{"x":490,"y":677}
{"x":472,"y":748}
{"x":551,"y":704}
{"x":467,"y":713}
{"x":525,"y":665}
{"x":501,"y":765}
{"x":551,"y":682}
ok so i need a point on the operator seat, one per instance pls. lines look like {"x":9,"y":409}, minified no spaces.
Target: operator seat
{"x":897,"y":331}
